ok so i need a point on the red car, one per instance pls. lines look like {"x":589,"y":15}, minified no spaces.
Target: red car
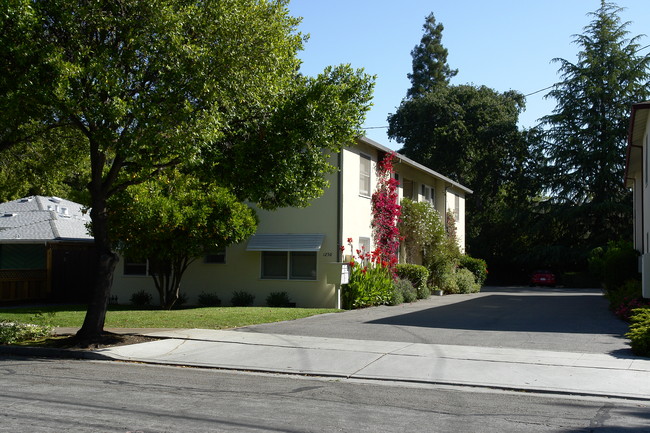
{"x":542,"y":278}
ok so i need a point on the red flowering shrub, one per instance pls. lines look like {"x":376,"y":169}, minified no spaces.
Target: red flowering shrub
{"x":385,"y":213}
{"x":370,"y":281}
{"x":624,"y":309}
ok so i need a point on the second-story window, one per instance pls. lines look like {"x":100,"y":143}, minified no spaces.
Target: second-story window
{"x":428,"y":194}
{"x":364,"y":175}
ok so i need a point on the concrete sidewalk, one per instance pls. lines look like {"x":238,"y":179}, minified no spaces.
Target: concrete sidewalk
{"x":503,"y":368}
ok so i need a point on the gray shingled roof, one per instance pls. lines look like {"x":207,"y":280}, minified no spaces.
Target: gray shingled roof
{"x":39,"y":218}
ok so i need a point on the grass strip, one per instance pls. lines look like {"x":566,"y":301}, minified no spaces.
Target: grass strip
{"x":130,"y":317}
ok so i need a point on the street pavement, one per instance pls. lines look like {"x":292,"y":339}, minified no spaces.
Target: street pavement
{"x":538,"y":340}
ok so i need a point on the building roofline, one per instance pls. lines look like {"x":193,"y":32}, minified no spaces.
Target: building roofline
{"x":412,"y":163}
{"x":630,"y":135}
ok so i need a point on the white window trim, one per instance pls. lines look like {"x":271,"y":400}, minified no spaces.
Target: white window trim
{"x":363,"y":156}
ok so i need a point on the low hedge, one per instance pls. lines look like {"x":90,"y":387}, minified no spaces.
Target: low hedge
{"x":639,"y":334}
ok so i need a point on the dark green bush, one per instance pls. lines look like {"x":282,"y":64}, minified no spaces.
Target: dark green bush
{"x":424,"y":292}
{"x":404,"y":286}
{"x":478,"y":267}
{"x":209,"y":300}
{"x":242,"y":299}
{"x":417,"y":275}
{"x":615,"y":264}
{"x":448,"y":282}
{"x":278,"y":300}
{"x":639,"y":334}
{"x":141,"y":299}
{"x":396,"y":296}
{"x":466,"y":281}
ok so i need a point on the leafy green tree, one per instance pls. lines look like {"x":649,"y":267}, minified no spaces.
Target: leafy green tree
{"x":585,"y":139}
{"x":174,"y":219}
{"x":151,"y":84}
{"x":470,"y":134}
{"x":39,"y":168}
{"x":430,"y":68}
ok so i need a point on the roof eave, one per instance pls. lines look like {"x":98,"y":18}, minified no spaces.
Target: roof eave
{"x":412,"y":163}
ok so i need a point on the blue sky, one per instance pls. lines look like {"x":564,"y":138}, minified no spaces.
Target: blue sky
{"x":503,"y":44}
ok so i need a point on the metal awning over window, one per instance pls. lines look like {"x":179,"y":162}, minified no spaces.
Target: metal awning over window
{"x":285,"y":242}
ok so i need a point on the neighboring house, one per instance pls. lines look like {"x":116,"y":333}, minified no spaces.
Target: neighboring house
{"x":298,"y":250}
{"x":46,"y":252}
{"x":637,"y":174}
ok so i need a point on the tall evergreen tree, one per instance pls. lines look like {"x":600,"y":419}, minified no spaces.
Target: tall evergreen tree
{"x":430,"y":66}
{"x":586,"y":133}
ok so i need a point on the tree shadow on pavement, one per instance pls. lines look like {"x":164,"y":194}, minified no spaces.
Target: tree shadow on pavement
{"x":505,"y":312}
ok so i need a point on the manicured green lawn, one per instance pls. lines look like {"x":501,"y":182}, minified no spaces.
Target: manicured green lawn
{"x":129,"y":317}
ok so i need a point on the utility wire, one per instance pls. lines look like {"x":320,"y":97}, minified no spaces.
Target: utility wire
{"x":526,"y":95}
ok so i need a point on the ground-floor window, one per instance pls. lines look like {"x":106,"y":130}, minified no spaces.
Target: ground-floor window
{"x":289,"y":265}
{"x":134,"y":266}
{"x":216,"y":255}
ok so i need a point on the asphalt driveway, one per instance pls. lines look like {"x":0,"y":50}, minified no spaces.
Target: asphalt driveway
{"x":559,"y":319}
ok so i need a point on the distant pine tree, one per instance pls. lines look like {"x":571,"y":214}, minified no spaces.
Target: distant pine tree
{"x":430,"y":66}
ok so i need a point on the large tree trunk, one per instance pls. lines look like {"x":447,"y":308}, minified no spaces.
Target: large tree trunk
{"x":93,"y":325}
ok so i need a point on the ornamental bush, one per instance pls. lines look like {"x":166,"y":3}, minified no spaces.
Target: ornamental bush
{"x":417,"y":275}
{"x":242,"y":299}
{"x":639,"y":334}
{"x":478,"y":267}
{"x":370,"y":281}
{"x":209,"y":300}
{"x":278,"y":300}
{"x":141,"y":298}
{"x":409,"y":293}
{"x":466,"y":282}
{"x":448,"y":282}
{"x":15,"y":332}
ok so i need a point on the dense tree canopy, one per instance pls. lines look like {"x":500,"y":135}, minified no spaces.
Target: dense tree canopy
{"x":151,"y":84}
{"x":470,"y":134}
{"x":585,"y":136}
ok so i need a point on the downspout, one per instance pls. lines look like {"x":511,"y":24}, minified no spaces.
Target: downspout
{"x":444,"y":214}
{"x":339,"y":223}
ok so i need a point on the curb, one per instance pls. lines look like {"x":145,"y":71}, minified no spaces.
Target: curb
{"x":48,"y":352}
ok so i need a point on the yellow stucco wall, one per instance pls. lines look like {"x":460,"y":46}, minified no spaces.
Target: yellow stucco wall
{"x":242,"y":270}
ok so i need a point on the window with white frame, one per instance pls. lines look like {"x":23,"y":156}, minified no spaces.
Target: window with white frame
{"x":364,"y":175}
{"x":289,"y":265}
{"x":364,"y":244}
{"x":428,"y":194}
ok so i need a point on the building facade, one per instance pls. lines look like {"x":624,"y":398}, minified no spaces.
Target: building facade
{"x":637,"y":177}
{"x":298,"y":250}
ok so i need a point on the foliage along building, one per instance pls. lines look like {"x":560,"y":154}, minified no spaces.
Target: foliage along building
{"x":298,"y":250}
{"x":46,"y":252}
{"x":637,"y":177}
